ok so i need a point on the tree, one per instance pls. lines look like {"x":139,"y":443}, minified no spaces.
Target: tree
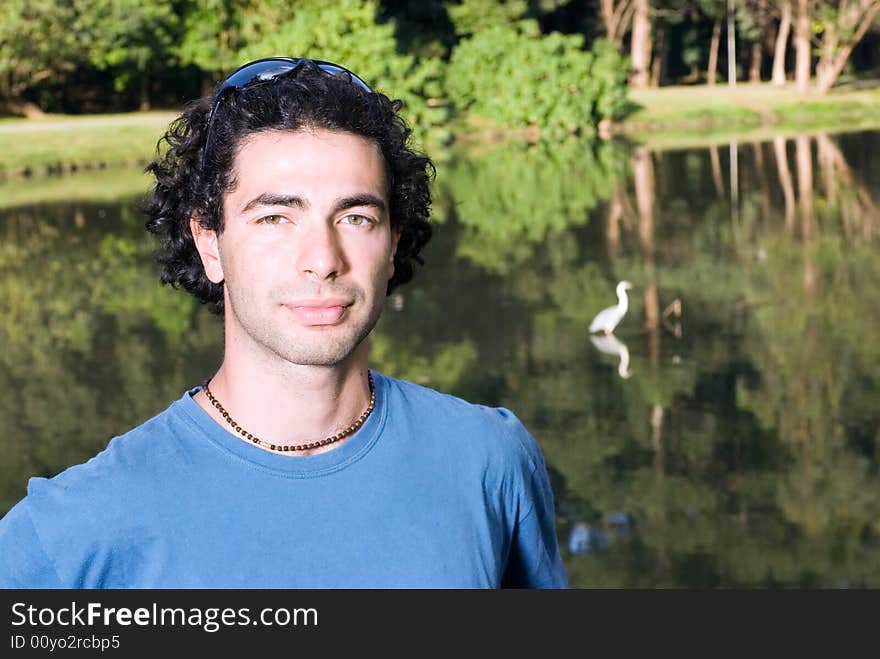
{"x":212,"y":35}
{"x":544,"y":84}
{"x":616,"y":18}
{"x":731,"y":44}
{"x":803,"y":54}
{"x":640,"y":44}
{"x":753,"y":20}
{"x":41,"y":45}
{"x":131,"y":38}
{"x":843,"y":24}
{"x":781,"y":46}
{"x":714,"y":43}
{"x":471,"y":17}
{"x":347,"y":32}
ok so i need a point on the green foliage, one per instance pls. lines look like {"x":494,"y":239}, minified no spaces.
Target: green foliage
{"x":472,"y":17}
{"x":41,"y":43}
{"x":212,"y":34}
{"x":512,"y":197}
{"x":131,"y":37}
{"x":516,"y":77}
{"x":347,"y":33}
{"x":607,"y":81}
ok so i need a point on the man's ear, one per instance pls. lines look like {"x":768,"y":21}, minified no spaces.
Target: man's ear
{"x":395,"y":240}
{"x":207,"y":244}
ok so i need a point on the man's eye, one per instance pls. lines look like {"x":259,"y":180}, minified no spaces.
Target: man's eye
{"x":356,"y":220}
{"x":271,"y":219}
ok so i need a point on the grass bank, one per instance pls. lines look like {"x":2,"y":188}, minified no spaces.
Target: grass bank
{"x":667,"y":117}
{"x":109,"y":185}
{"x":62,"y":144}
{"x":670,"y":117}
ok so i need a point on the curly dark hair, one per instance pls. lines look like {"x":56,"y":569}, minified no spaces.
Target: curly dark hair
{"x":189,"y":181}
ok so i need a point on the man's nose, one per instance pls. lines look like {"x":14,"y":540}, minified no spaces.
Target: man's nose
{"x":320,"y":254}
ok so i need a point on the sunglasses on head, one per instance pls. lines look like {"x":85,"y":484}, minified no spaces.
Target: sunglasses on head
{"x":263,"y":71}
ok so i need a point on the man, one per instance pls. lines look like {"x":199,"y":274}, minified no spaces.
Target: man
{"x":291,"y":203}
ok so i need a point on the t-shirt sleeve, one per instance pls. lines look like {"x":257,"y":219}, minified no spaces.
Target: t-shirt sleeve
{"x":534,"y":560}
{"x":23,"y":561}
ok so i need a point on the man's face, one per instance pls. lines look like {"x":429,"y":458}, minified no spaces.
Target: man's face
{"x":307,"y":247}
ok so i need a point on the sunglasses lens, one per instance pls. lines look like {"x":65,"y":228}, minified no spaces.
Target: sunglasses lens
{"x":261,"y":71}
{"x":268,"y":69}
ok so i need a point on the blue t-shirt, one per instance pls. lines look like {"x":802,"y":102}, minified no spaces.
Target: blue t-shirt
{"x":431,"y":492}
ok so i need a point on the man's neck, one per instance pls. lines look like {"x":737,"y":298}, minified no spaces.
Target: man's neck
{"x":290,"y":404}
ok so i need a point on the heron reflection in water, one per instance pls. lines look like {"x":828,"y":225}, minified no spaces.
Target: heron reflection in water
{"x":611,"y":345}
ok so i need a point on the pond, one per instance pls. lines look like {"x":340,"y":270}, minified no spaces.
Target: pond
{"x":726,"y":435}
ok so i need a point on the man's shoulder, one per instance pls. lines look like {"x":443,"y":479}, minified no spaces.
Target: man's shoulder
{"x":126,"y":456}
{"x":494,"y":428}
{"x":424,"y":398}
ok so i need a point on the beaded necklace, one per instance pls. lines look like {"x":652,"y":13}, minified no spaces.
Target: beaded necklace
{"x":298,"y":447}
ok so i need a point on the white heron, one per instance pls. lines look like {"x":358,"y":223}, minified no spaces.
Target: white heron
{"x":607,"y":319}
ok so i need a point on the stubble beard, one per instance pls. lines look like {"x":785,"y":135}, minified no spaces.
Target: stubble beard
{"x":279,"y":335}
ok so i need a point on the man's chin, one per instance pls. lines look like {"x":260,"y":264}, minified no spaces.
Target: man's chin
{"x":322,"y":348}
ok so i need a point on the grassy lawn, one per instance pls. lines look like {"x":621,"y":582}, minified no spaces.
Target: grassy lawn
{"x":109,"y":185}
{"x":56,"y":144}
{"x":670,"y":117}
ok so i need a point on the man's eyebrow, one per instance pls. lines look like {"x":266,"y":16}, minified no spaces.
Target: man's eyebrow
{"x":274,"y":199}
{"x":362,"y":199}
{"x":295,"y":201}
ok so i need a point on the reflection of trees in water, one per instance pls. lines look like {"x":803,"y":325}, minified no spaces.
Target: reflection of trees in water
{"x":709,"y":475}
{"x":798,"y":302}
{"x":513,"y":198}
{"x":743,"y":449}
{"x":92,"y":344}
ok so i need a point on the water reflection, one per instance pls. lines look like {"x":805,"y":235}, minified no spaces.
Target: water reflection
{"x":615,"y":528}
{"x":745,"y":451}
{"x":672,"y":318}
{"x":611,"y":345}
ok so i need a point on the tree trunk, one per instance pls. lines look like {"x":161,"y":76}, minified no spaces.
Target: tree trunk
{"x":731,"y":45}
{"x":802,"y":48}
{"x":144,"y":92}
{"x":606,"y":8}
{"x":658,"y":65}
{"x":834,"y":57}
{"x":755,"y":63}
{"x":640,"y":47}
{"x":616,"y":18}
{"x":712,"y":69}
{"x":758,"y":45}
{"x":781,"y":44}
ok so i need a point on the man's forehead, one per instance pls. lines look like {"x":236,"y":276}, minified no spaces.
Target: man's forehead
{"x":265,"y":139}
{"x":307,"y":163}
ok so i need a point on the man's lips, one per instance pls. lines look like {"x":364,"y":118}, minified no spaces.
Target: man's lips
{"x":319,"y":312}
